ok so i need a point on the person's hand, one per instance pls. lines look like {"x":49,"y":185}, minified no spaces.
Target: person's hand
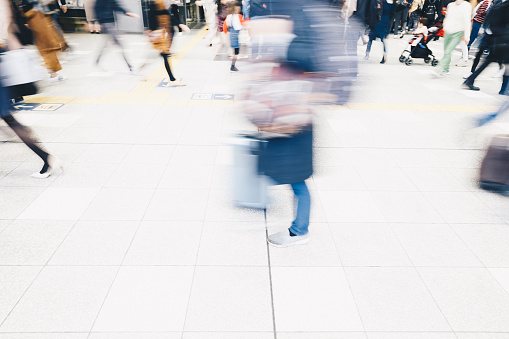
{"x":132,"y":15}
{"x":64,"y":8}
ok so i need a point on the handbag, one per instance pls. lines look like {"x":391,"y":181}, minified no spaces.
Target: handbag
{"x":156,"y":36}
{"x":18,"y":67}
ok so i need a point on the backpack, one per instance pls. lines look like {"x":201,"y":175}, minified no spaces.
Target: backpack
{"x":431,"y":9}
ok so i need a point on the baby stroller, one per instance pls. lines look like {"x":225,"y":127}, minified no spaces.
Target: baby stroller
{"x":419,"y":47}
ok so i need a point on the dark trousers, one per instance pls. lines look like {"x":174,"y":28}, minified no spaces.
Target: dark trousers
{"x":400,"y":18}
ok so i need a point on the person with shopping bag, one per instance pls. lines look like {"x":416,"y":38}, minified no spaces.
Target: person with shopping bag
{"x":16,"y":79}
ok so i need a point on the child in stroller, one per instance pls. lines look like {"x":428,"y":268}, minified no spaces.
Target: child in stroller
{"x":419,"y":43}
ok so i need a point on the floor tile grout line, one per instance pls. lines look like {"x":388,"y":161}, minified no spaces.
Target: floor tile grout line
{"x":274,"y":329}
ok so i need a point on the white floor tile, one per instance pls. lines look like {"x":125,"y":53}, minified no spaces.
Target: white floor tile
{"x":52,"y":335}
{"x":488,"y":242}
{"x":320,"y":251}
{"x":21,"y":176}
{"x":233,"y":244}
{"x":310,"y":299}
{"x":406,"y":207}
{"x":32,"y":242}
{"x":14,"y":281}
{"x":86,"y":175}
{"x":350,"y":207}
{"x":91,"y":243}
{"x":165,"y":243}
{"x":146,"y":299}
{"x":338,"y":179}
{"x":4,"y":224}
{"x":321,"y":335}
{"x":282,"y":209}
{"x":394,"y":299}
{"x":136,"y":176}
{"x":385,"y":179}
{"x":485,"y":335}
{"x":61,"y":299}
{"x":187,"y":176}
{"x":119,"y":204}
{"x":149,"y":154}
{"x":60,"y":203}
{"x":227,"y":335}
{"x":220,"y":207}
{"x":412,"y":335}
{"x":368,"y":245}
{"x":502,"y":276}
{"x":370,"y":157}
{"x":193,"y":155}
{"x":470,"y":298}
{"x":434,"y":245}
{"x":462,"y":207}
{"x":136,"y":335}
{"x":16,"y":199}
{"x":223,"y":298}
{"x":434,"y":180}
{"x":104,"y":153}
{"x":178,"y":204}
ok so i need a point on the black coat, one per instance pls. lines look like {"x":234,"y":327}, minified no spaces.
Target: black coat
{"x":104,"y":10}
{"x":499,"y":25}
{"x":288,"y":160}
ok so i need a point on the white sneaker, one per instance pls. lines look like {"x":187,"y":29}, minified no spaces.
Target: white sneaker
{"x":283,"y":239}
{"x":462,"y":63}
{"x":179,"y":34}
{"x":499,"y":73}
{"x":467,"y":75}
{"x":57,"y":78}
{"x":55,"y":164}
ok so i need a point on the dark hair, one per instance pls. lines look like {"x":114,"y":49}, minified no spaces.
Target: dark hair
{"x":424,"y":21}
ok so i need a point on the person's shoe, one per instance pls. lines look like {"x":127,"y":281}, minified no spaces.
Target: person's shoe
{"x":18,"y":100}
{"x":470,"y":86}
{"x":284,"y":239}
{"x":234,"y":69}
{"x":466,"y":76}
{"x":396,"y":35}
{"x":176,"y":83}
{"x":134,"y":71}
{"x":499,"y":73}
{"x":440,"y":74}
{"x":384,"y":59}
{"x":179,"y":34}
{"x":57,"y":78}
{"x":366,"y":57}
{"x":54,"y":163}
{"x":462,"y":64}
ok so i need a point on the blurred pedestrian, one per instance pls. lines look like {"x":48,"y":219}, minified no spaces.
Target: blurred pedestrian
{"x":175,"y":17}
{"x":209,"y":7}
{"x":105,"y":13}
{"x":430,"y":11}
{"x":456,"y":27}
{"x":93,"y":25}
{"x":478,"y":20}
{"x":161,"y":35}
{"x":415,"y":12}
{"x":9,"y":42}
{"x":233,"y":25}
{"x":47,"y":39}
{"x":381,"y":13}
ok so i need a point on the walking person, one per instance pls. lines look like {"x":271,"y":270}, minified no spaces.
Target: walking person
{"x":233,"y":25}
{"x":93,"y":25}
{"x":478,"y":20}
{"x":161,"y":35}
{"x":430,"y":11}
{"x":105,"y":13}
{"x":381,"y":12}
{"x":456,"y":27}
{"x":415,"y":12}
{"x":46,"y":37}
{"x":488,"y":44}
{"x":9,"y":42}
{"x":209,"y":7}
{"x":400,"y":18}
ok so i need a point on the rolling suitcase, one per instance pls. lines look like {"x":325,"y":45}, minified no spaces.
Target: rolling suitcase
{"x":494,"y":174}
{"x":249,"y":188}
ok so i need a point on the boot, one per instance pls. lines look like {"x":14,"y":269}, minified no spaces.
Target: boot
{"x":503,"y":89}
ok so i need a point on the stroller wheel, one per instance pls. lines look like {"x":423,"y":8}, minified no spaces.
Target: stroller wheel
{"x":427,"y":60}
{"x":402,"y":58}
{"x":409,"y":61}
{"x":434,"y":62}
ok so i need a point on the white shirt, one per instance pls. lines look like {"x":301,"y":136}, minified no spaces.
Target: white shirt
{"x":233,"y":20}
{"x":457,"y":18}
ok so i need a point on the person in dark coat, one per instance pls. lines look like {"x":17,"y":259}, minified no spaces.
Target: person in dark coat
{"x":380,"y":15}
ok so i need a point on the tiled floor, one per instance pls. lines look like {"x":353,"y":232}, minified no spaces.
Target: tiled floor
{"x":138,"y":237}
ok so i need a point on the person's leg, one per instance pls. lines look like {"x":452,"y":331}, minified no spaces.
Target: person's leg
{"x":368,"y":47}
{"x":450,"y":41}
{"x":114,"y":34}
{"x":25,"y":134}
{"x":167,"y":66}
{"x":477,"y":58}
{"x":234,"y":60}
{"x":404,"y":20}
{"x":470,"y":80}
{"x":303,"y":201}
{"x":384,"y":58}
{"x":473,"y":35}
{"x":106,"y":27}
{"x":464,"y":50}
{"x":504,"y":90}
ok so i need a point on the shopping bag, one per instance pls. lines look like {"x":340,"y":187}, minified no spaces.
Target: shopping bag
{"x":19,"y":66}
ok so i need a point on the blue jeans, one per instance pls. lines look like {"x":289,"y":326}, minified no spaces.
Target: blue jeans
{"x":301,"y":223}
{"x":473,"y":35}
